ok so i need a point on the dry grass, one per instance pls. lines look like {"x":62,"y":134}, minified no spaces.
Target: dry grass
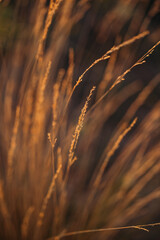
{"x":86,"y":177}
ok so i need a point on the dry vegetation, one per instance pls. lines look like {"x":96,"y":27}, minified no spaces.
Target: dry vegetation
{"x":79,"y":158}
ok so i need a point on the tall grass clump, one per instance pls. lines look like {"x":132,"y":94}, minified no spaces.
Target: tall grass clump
{"x":79,"y":119}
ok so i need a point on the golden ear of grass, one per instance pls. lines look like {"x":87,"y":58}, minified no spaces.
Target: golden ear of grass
{"x":38,"y":117}
{"x":56,"y":92}
{"x":60,"y":163}
{"x":50,"y":140}
{"x":78,"y":129}
{"x":13,"y":144}
{"x":67,"y":82}
{"x":53,"y":7}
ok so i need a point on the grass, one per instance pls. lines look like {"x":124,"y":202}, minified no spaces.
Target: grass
{"x":79,"y":146}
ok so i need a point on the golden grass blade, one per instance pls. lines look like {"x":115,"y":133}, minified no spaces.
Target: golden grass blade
{"x":121,"y":77}
{"x":8,"y":225}
{"x":25,"y":223}
{"x":69,"y":234}
{"x":108,"y":73}
{"x":139,"y":204}
{"x":53,"y":6}
{"x":56,"y":92}
{"x":38,"y":117}
{"x":47,"y":197}
{"x":13,"y":144}
{"x":78,"y":129}
{"x":111,"y":152}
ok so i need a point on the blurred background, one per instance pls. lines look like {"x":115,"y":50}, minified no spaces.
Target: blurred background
{"x":88,"y":29}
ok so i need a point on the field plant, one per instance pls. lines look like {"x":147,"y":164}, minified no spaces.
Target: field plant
{"x":79,"y":119}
